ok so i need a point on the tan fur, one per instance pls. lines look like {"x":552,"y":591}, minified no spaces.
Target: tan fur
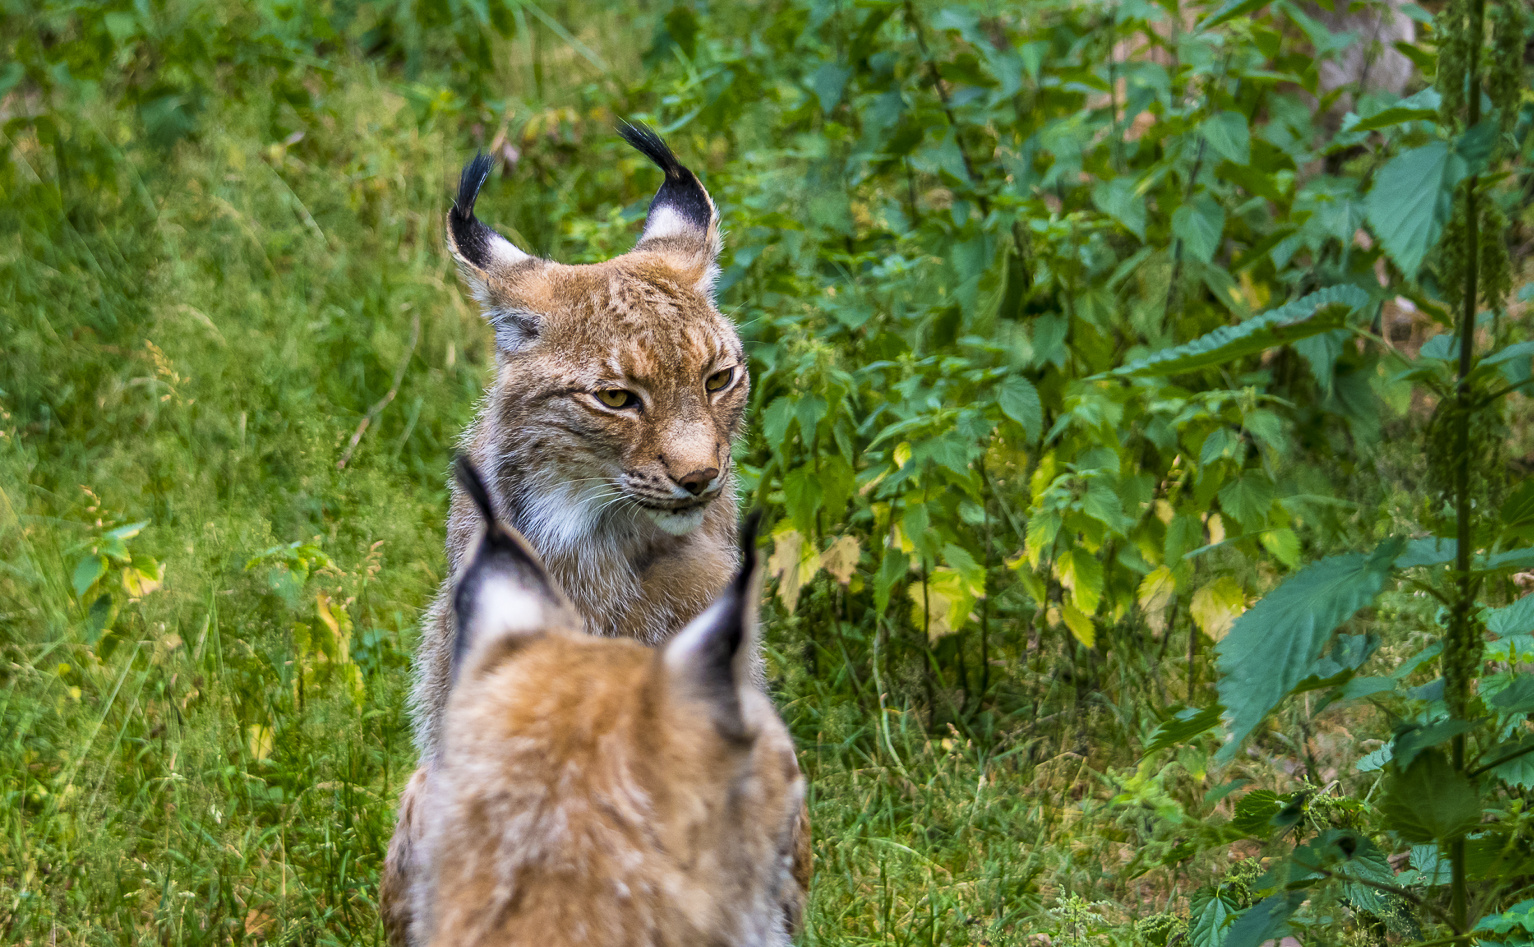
{"x":594,"y":791}
{"x":572,"y":477}
{"x":582,"y":483}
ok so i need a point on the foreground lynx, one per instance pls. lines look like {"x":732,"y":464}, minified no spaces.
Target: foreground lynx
{"x":605,"y":436}
{"x":594,"y":791}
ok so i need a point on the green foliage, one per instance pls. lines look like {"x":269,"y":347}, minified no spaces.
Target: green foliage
{"x":1066,"y":339}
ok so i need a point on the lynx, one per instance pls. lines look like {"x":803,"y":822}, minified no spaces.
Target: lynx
{"x":594,"y":791}
{"x":605,"y":436}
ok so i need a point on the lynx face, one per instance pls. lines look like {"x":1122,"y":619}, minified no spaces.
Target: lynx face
{"x":619,"y":385}
{"x":595,"y":791}
{"x":624,"y":402}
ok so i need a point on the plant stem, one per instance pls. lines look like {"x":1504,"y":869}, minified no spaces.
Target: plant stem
{"x":1461,"y":629}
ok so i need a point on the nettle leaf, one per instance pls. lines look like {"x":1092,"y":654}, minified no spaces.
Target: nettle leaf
{"x":1516,"y":698}
{"x":1321,"y":311}
{"x":1409,"y":744}
{"x":1514,"y":619}
{"x":1120,"y":199}
{"x":1229,"y":10}
{"x":1420,"y":107}
{"x":1227,"y":134}
{"x":776,"y":418}
{"x":1247,"y":499}
{"x":1273,"y":645}
{"x":1265,"y":920}
{"x":1019,"y":400}
{"x":1430,"y":800}
{"x":1198,"y":224}
{"x":87,"y":571}
{"x":1517,"y":766}
{"x":1208,"y":929}
{"x":1412,"y":200}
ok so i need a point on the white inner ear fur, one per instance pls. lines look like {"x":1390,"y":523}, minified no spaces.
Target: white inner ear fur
{"x":681,"y":651}
{"x":504,"y":251}
{"x":666,"y":222}
{"x":506,"y":608}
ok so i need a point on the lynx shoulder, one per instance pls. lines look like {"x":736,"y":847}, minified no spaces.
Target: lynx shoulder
{"x":596,"y":791}
{"x":605,"y":436}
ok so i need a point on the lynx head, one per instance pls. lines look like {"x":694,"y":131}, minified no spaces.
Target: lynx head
{"x":595,"y":791}
{"x":619,"y":385}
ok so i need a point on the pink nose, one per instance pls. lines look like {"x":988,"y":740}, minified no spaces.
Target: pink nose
{"x":698,"y":481}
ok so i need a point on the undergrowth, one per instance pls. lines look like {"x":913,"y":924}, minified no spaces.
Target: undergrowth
{"x":1022,"y":498}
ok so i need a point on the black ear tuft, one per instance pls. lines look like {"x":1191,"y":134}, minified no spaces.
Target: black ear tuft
{"x":470,"y":237}
{"x":681,"y":193}
{"x":748,"y":528}
{"x":652,"y":146}
{"x":474,"y":485}
{"x":503,"y":559}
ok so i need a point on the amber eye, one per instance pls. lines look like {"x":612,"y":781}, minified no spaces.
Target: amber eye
{"x":720,"y":380}
{"x":617,"y":398}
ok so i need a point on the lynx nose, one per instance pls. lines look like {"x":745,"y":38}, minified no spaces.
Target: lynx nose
{"x":698,"y":481}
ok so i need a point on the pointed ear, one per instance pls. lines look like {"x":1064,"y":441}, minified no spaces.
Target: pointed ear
{"x":491,"y":265}
{"x":683,"y":223}
{"x":711,"y":659}
{"x":503,"y":592}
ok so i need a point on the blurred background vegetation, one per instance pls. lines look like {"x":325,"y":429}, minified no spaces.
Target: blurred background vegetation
{"x":234,"y":360}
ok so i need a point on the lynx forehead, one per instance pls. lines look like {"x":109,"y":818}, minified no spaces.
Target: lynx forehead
{"x":605,"y":435}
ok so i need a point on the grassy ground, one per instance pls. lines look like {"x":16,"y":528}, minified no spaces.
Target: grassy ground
{"x":233,"y":366}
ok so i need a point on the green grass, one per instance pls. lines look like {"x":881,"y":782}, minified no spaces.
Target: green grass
{"x":195,"y":322}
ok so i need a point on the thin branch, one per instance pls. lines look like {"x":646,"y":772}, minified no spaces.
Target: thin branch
{"x":942,"y":94}
{"x":377,"y":409}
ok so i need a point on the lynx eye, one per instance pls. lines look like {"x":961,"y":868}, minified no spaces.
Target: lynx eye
{"x":719,"y":380}
{"x":617,"y":398}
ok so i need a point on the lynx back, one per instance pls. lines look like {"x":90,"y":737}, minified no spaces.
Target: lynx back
{"x":595,"y":791}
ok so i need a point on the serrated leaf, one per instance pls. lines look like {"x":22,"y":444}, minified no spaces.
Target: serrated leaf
{"x":1518,"y":770}
{"x":1081,"y":573}
{"x":1430,"y":801}
{"x":1227,"y":134}
{"x":1247,"y":499}
{"x":1118,"y":199}
{"x":1420,"y":107}
{"x":1264,"y":920}
{"x":1409,"y":744}
{"x":840,"y":559}
{"x":1229,"y":10}
{"x":1216,"y":606}
{"x":1321,"y":311}
{"x":1019,"y":400}
{"x":87,"y":571}
{"x":1412,"y":200}
{"x":1516,"y":698}
{"x":1079,"y":623}
{"x":1273,"y":644}
{"x":1209,"y":927}
{"x":1283,"y":544}
{"x":1514,"y":619}
{"x":1199,"y":224}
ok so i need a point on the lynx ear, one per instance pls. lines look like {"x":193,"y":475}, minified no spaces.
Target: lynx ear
{"x":491,"y":265}
{"x":683,"y":223}
{"x":712,"y":658}
{"x":504,"y":592}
